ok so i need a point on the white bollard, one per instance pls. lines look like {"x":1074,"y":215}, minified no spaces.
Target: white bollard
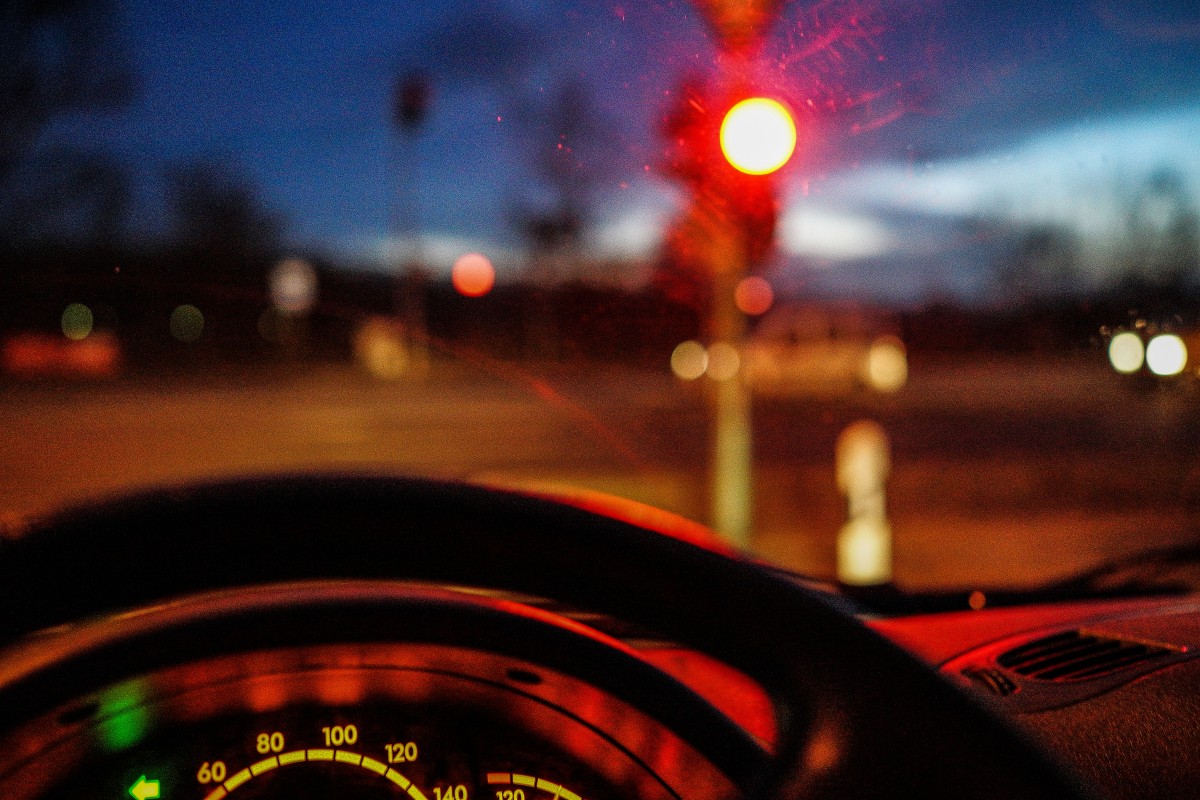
{"x":864,"y":545}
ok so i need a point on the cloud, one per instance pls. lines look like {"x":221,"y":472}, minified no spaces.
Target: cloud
{"x":437,"y":251}
{"x":901,"y":229}
{"x":1073,"y":175}
{"x":635,"y":230}
{"x":835,"y":235}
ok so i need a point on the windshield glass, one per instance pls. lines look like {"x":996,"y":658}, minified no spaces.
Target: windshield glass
{"x":945,"y":334}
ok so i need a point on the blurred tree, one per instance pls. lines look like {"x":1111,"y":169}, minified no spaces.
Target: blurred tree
{"x":58,"y":57}
{"x":1163,"y":241}
{"x":65,"y":196}
{"x":1042,"y":264}
{"x":572,"y":149}
{"x":219,"y":222}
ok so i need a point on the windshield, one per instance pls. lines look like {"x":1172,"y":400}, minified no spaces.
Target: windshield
{"x":929,"y":316}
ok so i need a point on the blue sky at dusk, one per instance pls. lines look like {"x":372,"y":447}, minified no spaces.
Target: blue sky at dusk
{"x":915,"y":116}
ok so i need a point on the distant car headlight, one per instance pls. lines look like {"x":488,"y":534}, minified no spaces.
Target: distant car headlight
{"x":1126,"y":352}
{"x":1166,"y":355}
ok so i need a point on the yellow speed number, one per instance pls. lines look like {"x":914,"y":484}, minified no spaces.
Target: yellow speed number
{"x":221,"y":780}
{"x":340,"y":749}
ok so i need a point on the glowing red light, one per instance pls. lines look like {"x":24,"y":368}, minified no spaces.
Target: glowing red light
{"x":758,"y":136}
{"x":754,"y":296}
{"x":473,"y":275}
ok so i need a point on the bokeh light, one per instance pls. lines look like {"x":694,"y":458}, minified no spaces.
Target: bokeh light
{"x":887,"y":364}
{"x":863,"y":458}
{"x":724,"y":361}
{"x":126,"y":720}
{"x":1166,"y":355}
{"x":754,"y":296}
{"x":864,"y":551}
{"x":187,"y":323}
{"x":758,"y":136}
{"x":473,"y":275}
{"x":293,"y":284}
{"x":689,"y":360}
{"x":1126,"y":352}
{"x":864,"y":544}
{"x":77,"y":321}
{"x":381,"y":349}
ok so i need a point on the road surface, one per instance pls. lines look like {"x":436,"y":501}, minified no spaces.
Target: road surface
{"x":1006,"y":472}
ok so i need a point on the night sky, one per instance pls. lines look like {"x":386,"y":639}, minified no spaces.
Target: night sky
{"x":915,"y":117}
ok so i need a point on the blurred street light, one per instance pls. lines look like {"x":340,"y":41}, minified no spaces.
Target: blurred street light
{"x":689,"y":360}
{"x":1166,"y":355}
{"x":473,"y":275}
{"x":293,"y":285}
{"x":1126,"y":352}
{"x":887,"y":364}
{"x":724,"y":361}
{"x":77,"y":321}
{"x":187,"y":323}
{"x":754,"y":296}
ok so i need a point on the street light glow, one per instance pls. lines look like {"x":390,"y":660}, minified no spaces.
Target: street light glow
{"x":1126,"y":352}
{"x":77,"y":321}
{"x":293,"y":284}
{"x":758,"y":136}
{"x":1166,"y":355}
{"x":473,"y":275}
{"x":754,"y":296}
{"x":724,"y":361}
{"x":887,"y":364}
{"x":187,"y":323}
{"x":689,"y":360}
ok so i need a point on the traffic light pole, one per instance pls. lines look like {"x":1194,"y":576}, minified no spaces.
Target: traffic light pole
{"x":757,"y":136}
{"x":732,"y":477}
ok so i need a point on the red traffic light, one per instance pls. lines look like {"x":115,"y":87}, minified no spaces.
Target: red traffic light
{"x":758,"y":136}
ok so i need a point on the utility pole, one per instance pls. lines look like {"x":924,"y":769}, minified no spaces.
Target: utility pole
{"x":410,"y":106}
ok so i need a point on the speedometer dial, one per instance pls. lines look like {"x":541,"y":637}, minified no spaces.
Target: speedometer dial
{"x":372,"y":751}
{"x":361,"y":722}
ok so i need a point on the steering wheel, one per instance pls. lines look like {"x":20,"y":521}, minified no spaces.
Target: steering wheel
{"x":858,"y":716}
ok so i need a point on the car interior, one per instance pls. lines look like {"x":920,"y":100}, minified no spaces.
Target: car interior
{"x":458,"y":402}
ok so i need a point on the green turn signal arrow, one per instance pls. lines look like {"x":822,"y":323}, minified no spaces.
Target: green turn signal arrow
{"x":144,"y":789}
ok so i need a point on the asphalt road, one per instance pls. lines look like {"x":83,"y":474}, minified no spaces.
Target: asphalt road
{"x":1005,"y":472}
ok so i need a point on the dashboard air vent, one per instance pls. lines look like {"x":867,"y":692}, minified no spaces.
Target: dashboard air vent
{"x":1078,"y":655}
{"x":994,"y":680}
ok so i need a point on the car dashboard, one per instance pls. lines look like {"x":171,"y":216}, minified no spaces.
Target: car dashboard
{"x":1109,"y":687}
{"x":344,"y":657}
{"x":293,"y":691}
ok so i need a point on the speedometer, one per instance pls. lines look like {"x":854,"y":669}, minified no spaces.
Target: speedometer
{"x":371,"y":751}
{"x":357,"y":720}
